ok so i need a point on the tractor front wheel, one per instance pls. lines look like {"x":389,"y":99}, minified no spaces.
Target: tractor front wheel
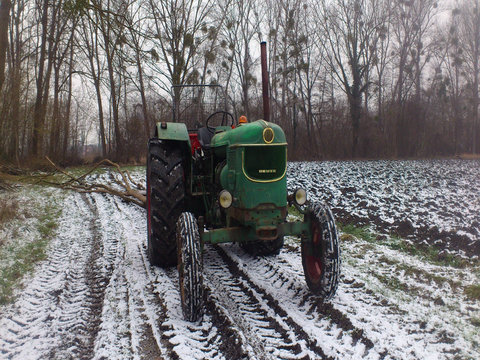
{"x":190,"y":267}
{"x":321,"y":253}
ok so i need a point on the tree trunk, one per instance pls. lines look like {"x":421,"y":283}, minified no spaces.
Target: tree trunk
{"x":115,"y":116}
{"x":15,"y":55}
{"x":400,"y":130}
{"x":55,"y":121}
{"x":37,"y":114}
{"x":5,"y":6}
{"x":476,"y":70}
{"x":66,"y":123}
{"x":475,"y":107}
{"x":146,"y":118}
{"x":355,"y":114}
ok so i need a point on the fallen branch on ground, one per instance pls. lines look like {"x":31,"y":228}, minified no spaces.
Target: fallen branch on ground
{"x":131,"y":189}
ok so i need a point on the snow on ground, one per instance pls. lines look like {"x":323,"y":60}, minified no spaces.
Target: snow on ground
{"x":437,"y":201}
{"x":97,"y":297}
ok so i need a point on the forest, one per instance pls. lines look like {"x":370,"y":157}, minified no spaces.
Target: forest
{"x":348,"y":78}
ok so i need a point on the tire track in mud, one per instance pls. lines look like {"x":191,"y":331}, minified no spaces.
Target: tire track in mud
{"x":217,"y":337}
{"x":98,"y":271}
{"x":266,"y":331}
{"x":286,"y":294}
{"x":57,"y":314}
{"x":214,"y":338}
{"x":156,"y":290}
{"x":112,"y":303}
{"x":126,"y":322}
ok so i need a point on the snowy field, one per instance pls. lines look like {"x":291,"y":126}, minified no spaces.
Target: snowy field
{"x":97,"y":297}
{"x":435,"y":201}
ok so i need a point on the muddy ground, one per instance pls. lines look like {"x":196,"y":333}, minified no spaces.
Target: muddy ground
{"x":97,"y":297}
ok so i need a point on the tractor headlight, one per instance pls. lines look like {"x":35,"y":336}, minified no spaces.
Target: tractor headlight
{"x":300,"y":196}
{"x":225,"y":199}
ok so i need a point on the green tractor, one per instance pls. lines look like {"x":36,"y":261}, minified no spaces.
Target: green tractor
{"x":226,"y":182}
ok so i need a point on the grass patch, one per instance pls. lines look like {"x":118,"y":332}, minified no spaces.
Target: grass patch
{"x":393,"y":283}
{"x":475,"y":322}
{"x":423,"y":275}
{"x":347,"y":238}
{"x":430,"y":253}
{"x":8,"y":210}
{"x":363,"y":233}
{"x":389,"y":261}
{"x":23,"y":256}
{"x":473,"y":292}
{"x":25,"y":259}
{"x":133,"y":168}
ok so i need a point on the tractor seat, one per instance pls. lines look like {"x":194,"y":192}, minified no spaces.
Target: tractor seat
{"x":204,"y":137}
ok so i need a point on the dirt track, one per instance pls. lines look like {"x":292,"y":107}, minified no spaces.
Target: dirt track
{"x":96,"y":296}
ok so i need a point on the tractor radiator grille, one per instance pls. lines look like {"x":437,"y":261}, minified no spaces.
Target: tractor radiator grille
{"x":265,"y":163}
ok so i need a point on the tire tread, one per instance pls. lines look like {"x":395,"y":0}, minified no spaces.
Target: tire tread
{"x":332,"y":257}
{"x":190,"y":267}
{"x":167,"y":201}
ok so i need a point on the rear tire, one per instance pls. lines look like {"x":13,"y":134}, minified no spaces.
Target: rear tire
{"x":165,"y":200}
{"x":263,"y":248}
{"x":321,"y":255}
{"x":190,"y":267}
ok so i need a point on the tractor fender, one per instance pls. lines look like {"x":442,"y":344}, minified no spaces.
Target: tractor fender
{"x":172,"y":131}
{"x":176,"y":133}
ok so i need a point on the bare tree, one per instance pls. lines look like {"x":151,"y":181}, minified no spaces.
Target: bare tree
{"x":350,"y":27}
{"x":449,"y":65}
{"x":381,"y":58}
{"x":89,"y":45}
{"x":410,"y":26}
{"x":283,"y":21}
{"x":12,"y":90}
{"x":53,"y":24}
{"x":218,"y":50}
{"x":109,"y":18}
{"x":469,"y":37}
{"x":42,"y":79}
{"x":62,"y":73}
{"x":242,"y":21}
{"x":177,"y":25}
{"x":66,"y":126}
{"x":137,"y":41}
{"x":309,"y":69}
{"x":5,"y":6}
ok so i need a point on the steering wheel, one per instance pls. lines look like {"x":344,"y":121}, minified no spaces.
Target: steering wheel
{"x":224,"y":122}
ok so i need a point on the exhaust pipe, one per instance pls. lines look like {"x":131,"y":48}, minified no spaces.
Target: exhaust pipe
{"x":266,"y":100}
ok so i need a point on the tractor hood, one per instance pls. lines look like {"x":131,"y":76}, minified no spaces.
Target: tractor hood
{"x":259,"y":132}
{"x":256,"y":164}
